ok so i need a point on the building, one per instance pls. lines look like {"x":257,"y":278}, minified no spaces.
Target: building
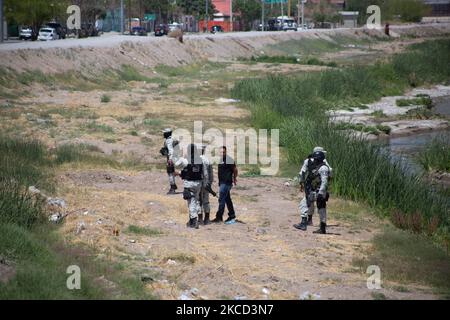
{"x":221,"y":17}
{"x":350,"y":19}
{"x":439,"y":8}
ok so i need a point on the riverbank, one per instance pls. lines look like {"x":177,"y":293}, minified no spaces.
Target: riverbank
{"x":300,"y":106}
{"x":399,"y":121}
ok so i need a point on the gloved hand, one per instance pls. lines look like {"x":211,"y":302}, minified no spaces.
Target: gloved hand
{"x":170,"y":162}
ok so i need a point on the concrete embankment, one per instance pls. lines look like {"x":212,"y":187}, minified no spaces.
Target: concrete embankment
{"x":113,"y":51}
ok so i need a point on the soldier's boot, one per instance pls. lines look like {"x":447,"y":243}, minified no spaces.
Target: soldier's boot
{"x":206,"y":220}
{"x":322,"y":229}
{"x":195,"y":223}
{"x":192,"y":223}
{"x":310,"y":222}
{"x":302,"y":225}
{"x":200,"y":219}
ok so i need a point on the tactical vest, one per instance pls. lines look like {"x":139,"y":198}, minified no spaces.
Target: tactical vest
{"x":193,"y":172}
{"x":313,"y":179}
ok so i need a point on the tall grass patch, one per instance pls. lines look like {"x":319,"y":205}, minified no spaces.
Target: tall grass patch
{"x":363,"y":172}
{"x":436,"y":155}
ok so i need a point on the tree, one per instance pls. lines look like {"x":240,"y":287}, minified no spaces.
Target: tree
{"x":91,"y":9}
{"x":197,"y":8}
{"x":35,"y":13}
{"x":247,"y":11}
{"x":323,"y":11}
{"x":408,"y":10}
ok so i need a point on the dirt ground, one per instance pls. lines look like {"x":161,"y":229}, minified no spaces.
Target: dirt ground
{"x":261,"y":252}
{"x":261,"y":257}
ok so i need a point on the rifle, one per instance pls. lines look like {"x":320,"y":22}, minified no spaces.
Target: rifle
{"x":211,"y":191}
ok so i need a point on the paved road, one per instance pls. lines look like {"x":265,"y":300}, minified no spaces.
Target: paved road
{"x":114,"y":39}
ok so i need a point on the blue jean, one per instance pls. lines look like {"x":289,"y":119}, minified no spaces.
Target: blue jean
{"x":225,"y":199}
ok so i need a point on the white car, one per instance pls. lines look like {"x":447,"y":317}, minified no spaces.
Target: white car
{"x":26,"y":34}
{"x":46,"y":34}
{"x":174,"y":26}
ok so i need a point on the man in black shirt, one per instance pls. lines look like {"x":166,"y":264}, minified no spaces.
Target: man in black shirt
{"x":227,"y":172}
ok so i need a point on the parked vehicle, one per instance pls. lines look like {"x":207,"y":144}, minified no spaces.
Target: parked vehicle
{"x":323,"y":25}
{"x":216,"y":28}
{"x":27,"y":33}
{"x":47,"y":34}
{"x":161,"y":30}
{"x":273,"y":25}
{"x":60,"y":30}
{"x":138,"y":31}
{"x":286,"y":23}
{"x":174,"y":26}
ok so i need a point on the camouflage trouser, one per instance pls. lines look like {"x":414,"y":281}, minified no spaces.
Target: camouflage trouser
{"x":171,"y":174}
{"x":171,"y":178}
{"x":194,"y":187}
{"x":204,"y":197}
{"x":307,"y":205}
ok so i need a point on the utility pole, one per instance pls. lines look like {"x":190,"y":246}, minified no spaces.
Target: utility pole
{"x":1,"y":21}
{"x":129,"y":15}
{"x":262,"y":14}
{"x":122,"y":18}
{"x":140,"y":13}
{"x":206,"y":15}
{"x":303,"y":13}
{"x":231,"y":15}
{"x":301,"y":6}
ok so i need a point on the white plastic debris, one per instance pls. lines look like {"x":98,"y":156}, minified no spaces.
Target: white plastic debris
{"x":171,"y":262}
{"x":225,"y":100}
{"x":265,"y":291}
{"x":287,"y":184}
{"x":309,"y":296}
{"x":184,"y":296}
{"x":132,"y":241}
{"x":56,"y":202}
{"x":81,"y":226}
{"x":194,"y":291}
{"x":55,"y":218}
{"x":240,"y":298}
{"x":34,"y":190}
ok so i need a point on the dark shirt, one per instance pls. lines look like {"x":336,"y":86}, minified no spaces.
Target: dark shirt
{"x":226,"y":170}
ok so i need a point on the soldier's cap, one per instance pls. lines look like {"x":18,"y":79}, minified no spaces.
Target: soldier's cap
{"x":167,"y":130}
{"x":319,"y":149}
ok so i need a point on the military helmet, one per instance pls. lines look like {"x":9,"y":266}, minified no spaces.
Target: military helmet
{"x":318,"y":156}
{"x":317,"y":149}
{"x":167,"y":132}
